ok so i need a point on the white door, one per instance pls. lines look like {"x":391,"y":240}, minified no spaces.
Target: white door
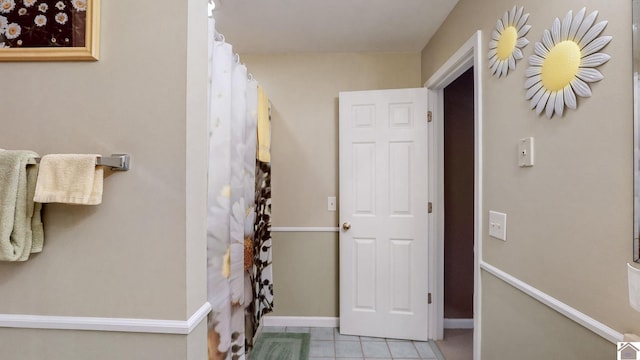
{"x":383,"y":213}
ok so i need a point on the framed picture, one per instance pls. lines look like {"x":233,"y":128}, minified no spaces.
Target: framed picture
{"x":49,"y":30}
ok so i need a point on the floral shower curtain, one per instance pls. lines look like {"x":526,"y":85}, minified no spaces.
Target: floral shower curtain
{"x":231,"y":210}
{"x":260,"y":275}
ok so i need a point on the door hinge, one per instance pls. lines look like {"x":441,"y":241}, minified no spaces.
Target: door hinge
{"x":429,"y":116}
{"x":430,"y":207}
{"x":429,"y":298}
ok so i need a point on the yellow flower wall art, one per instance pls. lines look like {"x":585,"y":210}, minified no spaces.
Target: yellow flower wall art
{"x":507,"y":41}
{"x":564,"y":63}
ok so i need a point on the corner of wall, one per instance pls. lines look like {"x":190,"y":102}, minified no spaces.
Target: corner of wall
{"x":196,"y":153}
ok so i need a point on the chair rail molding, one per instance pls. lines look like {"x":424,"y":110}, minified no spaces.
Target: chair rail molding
{"x":557,"y":305}
{"x":155,"y":326}
{"x":304,"y":229}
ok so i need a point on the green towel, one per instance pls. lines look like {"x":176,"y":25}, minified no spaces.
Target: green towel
{"x":21,"y":231}
{"x":35,"y":209}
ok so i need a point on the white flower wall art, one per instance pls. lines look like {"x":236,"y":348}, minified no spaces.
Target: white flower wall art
{"x":564,"y":63}
{"x":507,"y":41}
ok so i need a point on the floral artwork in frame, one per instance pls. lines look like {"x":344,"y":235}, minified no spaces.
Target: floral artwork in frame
{"x":49,"y":30}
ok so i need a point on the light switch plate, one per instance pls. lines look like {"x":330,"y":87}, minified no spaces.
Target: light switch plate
{"x":498,"y":225}
{"x":525,"y":152}
{"x":331,"y":203}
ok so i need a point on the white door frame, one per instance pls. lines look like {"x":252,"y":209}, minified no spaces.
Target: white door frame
{"x":468,"y":55}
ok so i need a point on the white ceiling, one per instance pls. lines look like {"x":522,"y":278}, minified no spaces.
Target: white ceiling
{"x":283,"y":26}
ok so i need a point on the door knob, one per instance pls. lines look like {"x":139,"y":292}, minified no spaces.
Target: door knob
{"x":346,"y":226}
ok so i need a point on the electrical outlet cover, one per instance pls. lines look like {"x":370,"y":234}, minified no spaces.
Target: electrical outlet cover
{"x":498,"y":225}
{"x":331,"y":203}
{"x":525,"y":152}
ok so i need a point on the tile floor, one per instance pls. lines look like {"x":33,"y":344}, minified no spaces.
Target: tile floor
{"x":328,"y":343}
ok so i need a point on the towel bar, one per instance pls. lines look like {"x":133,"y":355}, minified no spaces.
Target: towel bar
{"x":117,"y":162}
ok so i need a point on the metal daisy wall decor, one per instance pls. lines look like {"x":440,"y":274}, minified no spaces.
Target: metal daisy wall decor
{"x":564,"y":63}
{"x":507,"y":41}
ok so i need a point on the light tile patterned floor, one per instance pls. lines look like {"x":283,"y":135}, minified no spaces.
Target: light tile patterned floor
{"x":328,"y":343}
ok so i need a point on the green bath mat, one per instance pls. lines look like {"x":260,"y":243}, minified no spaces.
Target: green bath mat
{"x":281,"y":346}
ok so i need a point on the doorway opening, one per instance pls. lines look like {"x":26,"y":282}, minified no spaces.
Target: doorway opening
{"x":458,"y":202}
{"x":458,"y":217}
{"x":467,"y":60}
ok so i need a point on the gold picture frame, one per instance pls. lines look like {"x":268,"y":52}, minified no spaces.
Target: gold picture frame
{"x":54,"y":30}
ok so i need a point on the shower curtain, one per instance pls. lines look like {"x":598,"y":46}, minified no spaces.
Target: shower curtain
{"x":260,"y":274}
{"x":231,"y":210}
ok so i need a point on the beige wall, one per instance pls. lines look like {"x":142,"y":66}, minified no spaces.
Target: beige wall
{"x":303,"y":89}
{"x":138,"y":254}
{"x":570,"y":225}
{"x":305,"y":274}
{"x":68,"y":344}
{"x":516,"y":326}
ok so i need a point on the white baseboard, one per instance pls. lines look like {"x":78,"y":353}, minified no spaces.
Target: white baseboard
{"x":106,"y":324}
{"x":557,"y":305}
{"x":301,"y":321}
{"x":458,"y":323}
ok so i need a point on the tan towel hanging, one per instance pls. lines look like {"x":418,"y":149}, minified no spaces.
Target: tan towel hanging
{"x":70,"y":179}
